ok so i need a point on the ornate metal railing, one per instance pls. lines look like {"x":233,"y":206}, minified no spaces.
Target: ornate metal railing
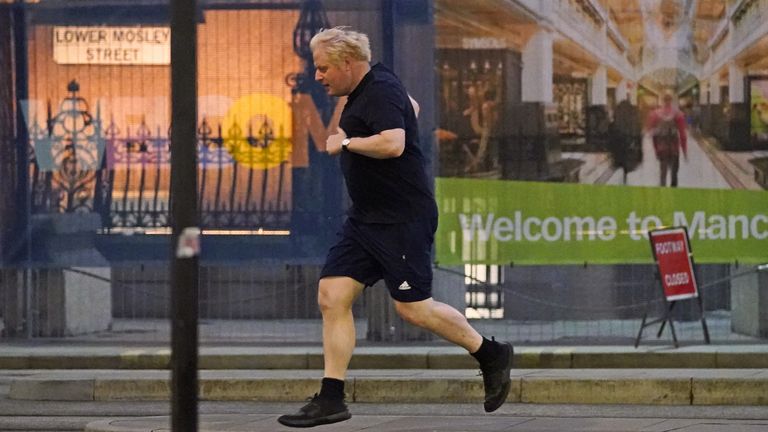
{"x":79,"y":164}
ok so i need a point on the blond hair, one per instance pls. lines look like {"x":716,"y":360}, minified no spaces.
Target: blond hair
{"x":339,"y":42}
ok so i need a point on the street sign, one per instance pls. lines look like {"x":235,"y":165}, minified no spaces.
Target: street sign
{"x":672,"y":254}
{"x":674,"y":261}
{"x":103,"y":45}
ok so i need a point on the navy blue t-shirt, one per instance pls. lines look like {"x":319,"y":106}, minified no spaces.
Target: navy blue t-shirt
{"x":391,"y":190}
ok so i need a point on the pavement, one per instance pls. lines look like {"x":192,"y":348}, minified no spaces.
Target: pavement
{"x":455,"y":423}
{"x":262,"y":417}
{"x":652,"y":375}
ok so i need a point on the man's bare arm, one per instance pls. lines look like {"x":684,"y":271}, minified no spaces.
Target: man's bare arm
{"x":384,"y":145}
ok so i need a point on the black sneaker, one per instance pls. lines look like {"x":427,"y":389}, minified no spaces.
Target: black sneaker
{"x":317,"y":412}
{"x":496,"y":378}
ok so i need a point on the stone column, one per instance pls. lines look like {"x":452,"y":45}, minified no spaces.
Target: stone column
{"x":538,"y":68}
{"x":714,"y":89}
{"x":716,"y":117}
{"x":735,"y":83}
{"x":703,"y":93}
{"x":534,"y":146}
{"x":738,"y":113}
{"x":597,"y":114}
{"x":74,"y":294}
{"x":749,"y":303}
{"x":623,"y":91}
{"x":633,"y":93}
{"x":73,"y":301}
{"x":705,"y":124}
{"x":599,"y":86}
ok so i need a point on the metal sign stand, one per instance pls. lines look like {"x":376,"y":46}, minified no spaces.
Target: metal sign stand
{"x":666,"y":317}
{"x":680,"y":235}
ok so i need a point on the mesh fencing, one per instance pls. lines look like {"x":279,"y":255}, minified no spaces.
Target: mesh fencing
{"x":85,"y":166}
{"x":258,"y":304}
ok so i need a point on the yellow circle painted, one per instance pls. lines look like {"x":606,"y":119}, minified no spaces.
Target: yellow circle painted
{"x":247,"y":117}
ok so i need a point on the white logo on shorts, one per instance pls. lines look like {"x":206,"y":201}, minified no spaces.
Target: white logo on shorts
{"x":404,"y":286}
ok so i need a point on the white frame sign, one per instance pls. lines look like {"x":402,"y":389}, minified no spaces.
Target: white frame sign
{"x":112,"y":45}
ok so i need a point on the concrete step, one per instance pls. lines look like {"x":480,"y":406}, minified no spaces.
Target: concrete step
{"x":399,"y":357}
{"x":546,"y":386}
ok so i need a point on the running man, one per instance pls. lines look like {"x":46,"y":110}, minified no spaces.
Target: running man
{"x":390,"y":227}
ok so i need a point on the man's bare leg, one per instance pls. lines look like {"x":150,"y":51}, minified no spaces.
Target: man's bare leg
{"x":495,"y":358}
{"x":335,"y":298}
{"x":442,"y":320}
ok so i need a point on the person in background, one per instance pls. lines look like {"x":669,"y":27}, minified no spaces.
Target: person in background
{"x":625,"y":138}
{"x":666,"y":125}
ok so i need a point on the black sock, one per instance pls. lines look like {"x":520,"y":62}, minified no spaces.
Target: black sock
{"x":332,"y":389}
{"x":489,"y":350}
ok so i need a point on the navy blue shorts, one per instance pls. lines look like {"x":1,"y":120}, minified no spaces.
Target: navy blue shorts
{"x":401,"y":254}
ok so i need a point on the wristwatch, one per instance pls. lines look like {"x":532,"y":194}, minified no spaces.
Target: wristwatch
{"x":345,"y":144}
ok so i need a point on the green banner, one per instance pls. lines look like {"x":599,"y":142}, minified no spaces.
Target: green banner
{"x":503,"y":222}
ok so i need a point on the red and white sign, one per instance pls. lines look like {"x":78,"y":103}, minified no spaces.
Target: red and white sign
{"x":673,"y":258}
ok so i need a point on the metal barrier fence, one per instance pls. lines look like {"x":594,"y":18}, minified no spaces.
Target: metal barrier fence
{"x":278,"y":304}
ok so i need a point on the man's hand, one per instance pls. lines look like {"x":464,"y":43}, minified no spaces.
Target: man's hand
{"x":333,"y":143}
